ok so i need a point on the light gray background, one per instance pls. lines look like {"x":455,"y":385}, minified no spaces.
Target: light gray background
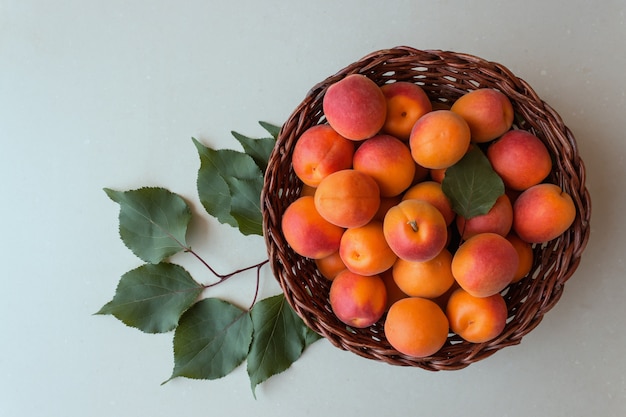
{"x":100,"y":94}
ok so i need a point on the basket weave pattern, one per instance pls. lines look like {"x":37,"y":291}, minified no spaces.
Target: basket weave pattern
{"x":444,"y":76}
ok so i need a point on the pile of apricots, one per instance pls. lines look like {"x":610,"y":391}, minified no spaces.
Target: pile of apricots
{"x":373,"y":216}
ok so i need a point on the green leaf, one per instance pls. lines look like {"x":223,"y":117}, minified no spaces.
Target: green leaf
{"x":472,"y":185}
{"x":271,"y":129}
{"x":229,"y":185}
{"x":153,"y":222}
{"x":280,"y":337}
{"x":211,"y":340}
{"x":153,"y":297}
{"x":258,"y":149}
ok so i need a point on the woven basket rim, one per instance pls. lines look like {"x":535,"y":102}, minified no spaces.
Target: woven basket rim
{"x":444,"y":75}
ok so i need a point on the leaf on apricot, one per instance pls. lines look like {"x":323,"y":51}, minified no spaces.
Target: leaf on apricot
{"x":152,"y":297}
{"x":212,"y":339}
{"x":152,"y":222}
{"x":472,"y":185}
{"x":280,"y":337}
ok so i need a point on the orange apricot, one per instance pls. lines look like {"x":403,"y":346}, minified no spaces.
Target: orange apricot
{"x":439,"y":139}
{"x":416,"y":327}
{"x":428,"y":279}
{"x":365,"y":251}
{"x":347,"y":198}
{"x":307,"y":232}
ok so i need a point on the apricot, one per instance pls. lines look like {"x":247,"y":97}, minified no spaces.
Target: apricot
{"x":406,"y":102}
{"x":365,"y":251}
{"x":385,"y":204}
{"x":416,"y":327}
{"x":525,"y":254}
{"x":438,"y":174}
{"x":331,"y":265}
{"x":307,"y":232}
{"x":520,"y":158}
{"x":394,"y":293}
{"x":498,"y":219}
{"x":476,"y":319}
{"x":355,"y":107}
{"x":485,"y":264}
{"x":543,"y":212}
{"x":428,"y":279}
{"x":439,"y":139}
{"x":488,"y":112}
{"x":347,"y":198}
{"x":358,"y":300}
{"x":320,"y":151}
{"x":415,"y":230}
{"x":388,"y":160}
{"x":431,"y":191}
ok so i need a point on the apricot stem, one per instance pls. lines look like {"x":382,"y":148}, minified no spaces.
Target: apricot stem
{"x":413,"y":225}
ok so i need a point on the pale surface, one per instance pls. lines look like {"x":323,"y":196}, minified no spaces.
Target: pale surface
{"x":100,"y":94}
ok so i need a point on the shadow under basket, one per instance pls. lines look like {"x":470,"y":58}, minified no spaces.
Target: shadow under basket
{"x":444,"y":76}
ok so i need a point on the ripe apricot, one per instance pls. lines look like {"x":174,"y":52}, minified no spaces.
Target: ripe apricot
{"x":416,"y":327}
{"x":415,"y":230}
{"x":488,"y":112}
{"x":520,"y":158}
{"x":355,"y":107}
{"x":329,"y":266}
{"x":388,"y":160}
{"x":365,"y":251}
{"x":439,"y":139}
{"x":498,"y":219}
{"x":319,"y":151}
{"x":485,"y":264}
{"x":428,"y":279}
{"x":347,"y":198}
{"x":394,"y":293}
{"x":307,"y":232}
{"x":406,"y":102}
{"x":476,"y":319}
{"x":431,"y":191}
{"x":525,"y":254}
{"x":543,"y":212}
{"x":358,"y":300}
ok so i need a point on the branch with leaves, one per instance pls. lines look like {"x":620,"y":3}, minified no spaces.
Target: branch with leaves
{"x":212,"y":337}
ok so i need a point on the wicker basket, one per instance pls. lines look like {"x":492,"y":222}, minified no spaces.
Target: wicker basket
{"x":444,"y":76}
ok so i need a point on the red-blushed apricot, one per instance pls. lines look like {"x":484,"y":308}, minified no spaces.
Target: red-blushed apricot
{"x":355,"y":107}
{"x":415,"y":230}
{"x":428,"y":279}
{"x":416,"y":327}
{"x":520,"y":158}
{"x":388,"y":160}
{"x":439,"y":139}
{"x":431,"y":191}
{"x":485,"y":264}
{"x":320,"y":151}
{"x":488,"y":112}
{"x":498,"y":219}
{"x":347,"y":198}
{"x":358,"y":300}
{"x":476,"y":319}
{"x":329,"y":266}
{"x":365,"y":251}
{"x":406,"y":102}
{"x":525,"y":254}
{"x":543,"y":212}
{"x":307,"y":232}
